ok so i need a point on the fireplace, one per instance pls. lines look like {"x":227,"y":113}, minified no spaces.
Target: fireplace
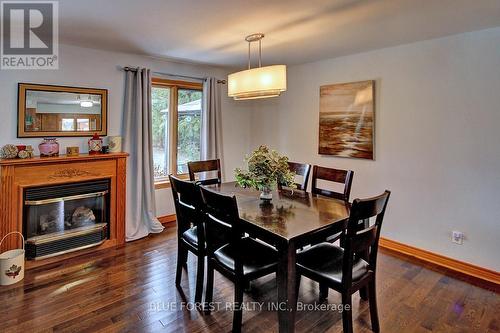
{"x":63,"y":204}
{"x":63,"y":218}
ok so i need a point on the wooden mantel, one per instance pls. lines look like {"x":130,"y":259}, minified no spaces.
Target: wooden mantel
{"x":18,"y":174}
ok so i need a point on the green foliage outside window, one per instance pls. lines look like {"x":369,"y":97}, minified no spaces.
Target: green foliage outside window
{"x":188,"y":128}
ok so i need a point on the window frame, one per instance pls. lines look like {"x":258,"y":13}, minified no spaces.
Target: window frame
{"x":174,"y":86}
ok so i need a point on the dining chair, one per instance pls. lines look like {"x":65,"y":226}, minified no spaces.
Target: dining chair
{"x":337,"y":176}
{"x":190,"y":229}
{"x":302,"y":170}
{"x":343,"y":177}
{"x":241,"y":260}
{"x":344,"y":269}
{"x":205,"y":167}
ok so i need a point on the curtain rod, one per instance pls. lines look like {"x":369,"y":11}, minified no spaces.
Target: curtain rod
{"x":134,"y":69}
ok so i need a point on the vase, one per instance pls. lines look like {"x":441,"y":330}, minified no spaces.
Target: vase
{"x":95,"y":145}
{"x":266,"y":194}
{"x":49,"y":147}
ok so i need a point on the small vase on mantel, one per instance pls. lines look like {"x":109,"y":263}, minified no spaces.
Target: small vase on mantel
{"x":49,"y":147}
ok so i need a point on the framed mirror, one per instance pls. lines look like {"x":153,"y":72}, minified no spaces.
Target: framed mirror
{"x":57,"y":111}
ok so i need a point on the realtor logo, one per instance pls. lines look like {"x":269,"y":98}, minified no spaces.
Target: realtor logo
{"x":29,"y":35}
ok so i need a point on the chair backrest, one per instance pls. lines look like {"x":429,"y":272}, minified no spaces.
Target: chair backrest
{"x":205,"y":166}
{"x":188,"y":203}
{"x":362,"y":241}
{"x":302,"y":170}
{"x":333,"y":175}
{"x":222,"y":224}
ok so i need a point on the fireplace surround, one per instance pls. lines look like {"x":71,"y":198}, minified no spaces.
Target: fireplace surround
{"x":64,"y":206}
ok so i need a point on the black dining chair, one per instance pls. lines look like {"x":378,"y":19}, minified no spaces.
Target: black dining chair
{"x":343,"y":177}
{"x":209,"y":166}
{"x":345,"y":269}
{"x":338,"y":176}
{"x":242,"y":260}
{"x":190,"y":229}
{"x":302,"y":170}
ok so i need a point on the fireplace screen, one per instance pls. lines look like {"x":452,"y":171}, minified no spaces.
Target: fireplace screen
{"x":63,"y":218}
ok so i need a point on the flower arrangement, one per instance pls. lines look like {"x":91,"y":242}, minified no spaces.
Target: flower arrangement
{"x":266,"y":168}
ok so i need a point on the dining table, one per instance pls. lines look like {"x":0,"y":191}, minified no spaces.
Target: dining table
{"x":291,"y":220}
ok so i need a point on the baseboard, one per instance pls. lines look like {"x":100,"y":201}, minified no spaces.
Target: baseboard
{"x":167,"y":219}
{"x":440,"y":260}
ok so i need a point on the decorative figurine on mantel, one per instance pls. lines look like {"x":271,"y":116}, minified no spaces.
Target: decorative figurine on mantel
{"x":24,"y":151}
{"x":95,"y":145}
{"x":72,"y":151}
{"x":8,"y":151}
{"x":12,"y":151}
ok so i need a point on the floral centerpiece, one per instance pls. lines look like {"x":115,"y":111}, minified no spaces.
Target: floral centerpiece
{"x":266,"y":169}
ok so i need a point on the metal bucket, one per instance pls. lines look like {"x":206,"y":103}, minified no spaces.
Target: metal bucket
{"x":11,"y":263}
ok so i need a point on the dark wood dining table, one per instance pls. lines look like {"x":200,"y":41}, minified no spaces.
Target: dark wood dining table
{"x":290,"y":221}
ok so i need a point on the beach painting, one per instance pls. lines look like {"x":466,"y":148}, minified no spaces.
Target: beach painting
{"x":346,"y":119}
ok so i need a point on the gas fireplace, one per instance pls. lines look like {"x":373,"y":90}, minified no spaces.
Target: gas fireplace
{"x":65,"y":206}
{"x":63,"y":218}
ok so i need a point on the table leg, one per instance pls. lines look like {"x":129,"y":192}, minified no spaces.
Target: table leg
{"x":286,"y":278}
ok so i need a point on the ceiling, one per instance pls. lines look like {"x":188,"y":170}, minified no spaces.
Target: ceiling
{"x":297,"y":31}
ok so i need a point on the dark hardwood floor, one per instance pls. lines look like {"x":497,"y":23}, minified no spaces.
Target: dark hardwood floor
{"x":132,"y":290}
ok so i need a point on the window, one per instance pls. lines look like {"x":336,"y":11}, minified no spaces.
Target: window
{"x":176,"y":120}
{"x":83,"y":125}
{"x":68,"y":124}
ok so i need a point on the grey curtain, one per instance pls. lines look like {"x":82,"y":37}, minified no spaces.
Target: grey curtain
{"x":211,"y":130}
{"x":137,"y":141}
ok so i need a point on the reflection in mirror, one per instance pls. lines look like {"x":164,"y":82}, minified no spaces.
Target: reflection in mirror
{"x":49,"y":111}
{"x":52,"y":111}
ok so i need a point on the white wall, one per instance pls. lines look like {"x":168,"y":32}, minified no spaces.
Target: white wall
{"x":100,"y":69}
{"x":437,"y":138}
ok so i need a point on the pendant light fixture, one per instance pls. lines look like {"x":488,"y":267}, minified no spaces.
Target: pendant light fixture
{"x":259,"y":82}
{"x":86,"y":103}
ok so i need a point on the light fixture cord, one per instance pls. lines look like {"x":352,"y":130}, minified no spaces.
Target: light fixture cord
{"x":249,"y":55}
{"x":260,"y":53}
{"x":250,"y":41}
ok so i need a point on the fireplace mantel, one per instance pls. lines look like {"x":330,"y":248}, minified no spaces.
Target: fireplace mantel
{"x":18,"y":174}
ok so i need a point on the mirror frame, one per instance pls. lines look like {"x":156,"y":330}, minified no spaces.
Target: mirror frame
{"x":21,"y":110}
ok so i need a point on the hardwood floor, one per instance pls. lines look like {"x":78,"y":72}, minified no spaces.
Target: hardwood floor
{"x":132,"y":290}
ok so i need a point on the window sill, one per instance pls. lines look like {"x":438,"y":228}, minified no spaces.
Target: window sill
{"x":165,"y":183}
{"x":162,"y":184}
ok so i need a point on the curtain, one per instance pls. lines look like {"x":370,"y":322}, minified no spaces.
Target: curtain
{"x":137,"y":141}
{"x":211,"y":131}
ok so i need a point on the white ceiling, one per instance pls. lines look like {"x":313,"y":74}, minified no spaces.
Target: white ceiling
{"x":297,"y":31}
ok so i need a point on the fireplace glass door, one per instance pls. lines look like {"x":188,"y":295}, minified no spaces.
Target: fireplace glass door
{"x":66,"y":217}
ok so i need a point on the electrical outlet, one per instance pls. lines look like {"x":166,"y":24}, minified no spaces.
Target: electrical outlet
{"x":457,"y":237}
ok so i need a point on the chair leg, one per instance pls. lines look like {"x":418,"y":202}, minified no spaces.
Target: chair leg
{"x":372,"y":293}
{"x":347,"y":313}
{"x":181,"y":259}
{"x":323,"y":292}
{"x":363,"y":293}
{"x":185,"y":258}
{"x":209,"y":291}
{"x":297,"y":287}
{"x":237,"y":311}
{"x":199,"y":279}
